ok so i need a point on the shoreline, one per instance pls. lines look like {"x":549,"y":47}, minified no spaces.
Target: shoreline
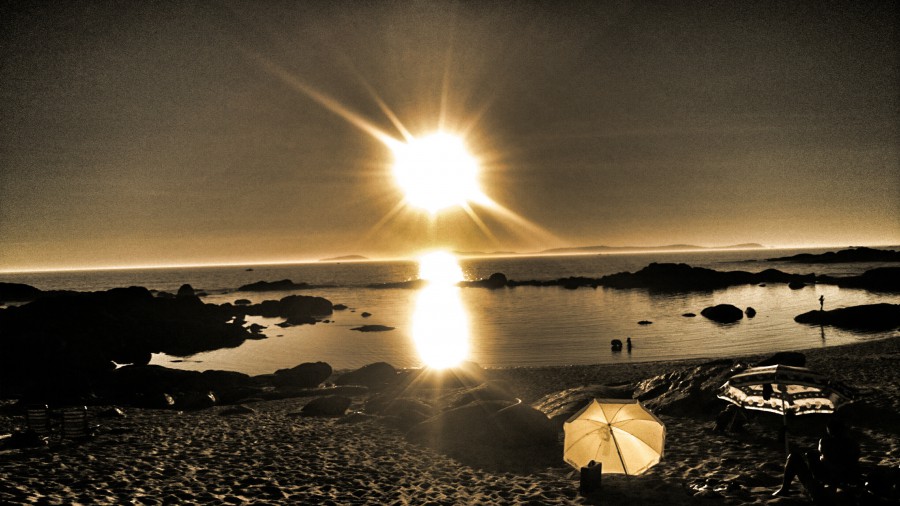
{"x":269,"y":455}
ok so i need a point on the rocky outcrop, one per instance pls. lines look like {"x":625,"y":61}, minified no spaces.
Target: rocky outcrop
{"x":723,"y":313}
{"x":691,"y":391}
{"x":332,"y":405}
{"x":491,"y":423}
{"x":495,"y":281}
{"x":18,"y":292}
{"x":373,"y":328}
{"x":560,"y":406}
{"x":161,"y":387}
{"x":273,"y":286}
{"x":869,"y":317}
{"x":306,"y":375}
{"x":65,"y":342}
{"x":374,"y":376}
{"x":295,"y":309}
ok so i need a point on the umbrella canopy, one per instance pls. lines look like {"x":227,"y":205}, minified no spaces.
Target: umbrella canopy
{"x":783,"y":389}
{"x":619,"y":433}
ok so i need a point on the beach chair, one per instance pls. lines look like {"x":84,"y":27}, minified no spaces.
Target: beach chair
{"x":75,"y":423}
{"x":38,"y":419}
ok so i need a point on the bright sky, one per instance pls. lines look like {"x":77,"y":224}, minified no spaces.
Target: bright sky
{"x":197,"y":132}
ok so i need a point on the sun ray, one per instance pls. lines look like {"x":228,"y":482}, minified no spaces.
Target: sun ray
{"x":480,"y":224}
{"x":323,"y":99}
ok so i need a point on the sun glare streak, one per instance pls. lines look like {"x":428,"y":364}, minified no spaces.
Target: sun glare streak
{"x":323,"y":100}
{"x":440,"y":323}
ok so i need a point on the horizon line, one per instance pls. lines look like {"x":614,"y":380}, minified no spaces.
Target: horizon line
{"x":262,"y":263}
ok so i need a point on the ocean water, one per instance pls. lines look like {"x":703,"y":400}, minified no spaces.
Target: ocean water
{"x":522,"y":326}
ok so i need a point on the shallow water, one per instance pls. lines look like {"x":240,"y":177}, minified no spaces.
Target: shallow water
{"x":522,"y":326}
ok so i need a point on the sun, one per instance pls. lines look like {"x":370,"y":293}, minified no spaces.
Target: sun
{"x":436,"y":172}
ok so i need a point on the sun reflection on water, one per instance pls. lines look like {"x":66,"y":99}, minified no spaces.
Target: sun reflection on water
{"x":440,"y":324}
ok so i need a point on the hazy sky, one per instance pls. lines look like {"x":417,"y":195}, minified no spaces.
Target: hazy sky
{"x":194,"y":132}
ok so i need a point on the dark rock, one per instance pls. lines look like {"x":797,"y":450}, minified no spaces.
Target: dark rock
{"x":723,"y":313}
{"x":523,"y":425}
{"x":256,"y":328}
{"x":472,"y":423}
{"x":750,"y":312}
{"x":494,"y":390}
{"x":869,"y":317}
{"x":373,"y":328}
{"x":306,"y":375}
{"x":76,"y":336}
{"x":792,"y":358}
{"x":299,"y":308}
{"x":616,"y":344}
{"x":18,"y":292}
{"x":467,"y":374}
{"x":645,"y":322}
{"x":377,"y":375}
{"x":560,"y":406}
{"x":332,"y":405}
{"x":273,"y":286}
{"x":689,"y":315}
{"x":796,"y":285}
{"x":882,"y":279}
{"x":686,"y":392}
{"x":185,"y":291}
{"x":365,"y":314}
{"x":340,"y":307}
{"x":242,"y":302}
{"x":496,"y":280}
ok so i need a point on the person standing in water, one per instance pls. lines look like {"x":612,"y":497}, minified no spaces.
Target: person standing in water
{"x":821,"y":303}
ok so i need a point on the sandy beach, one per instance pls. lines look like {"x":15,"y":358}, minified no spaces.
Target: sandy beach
{"x":269,"y":455}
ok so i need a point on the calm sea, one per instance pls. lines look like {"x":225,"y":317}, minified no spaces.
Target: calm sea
{"x":522,"y":326}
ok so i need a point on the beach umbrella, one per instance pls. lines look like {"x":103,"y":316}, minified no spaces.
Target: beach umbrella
{"x":618,"y":433}
{"x":784,"y":390}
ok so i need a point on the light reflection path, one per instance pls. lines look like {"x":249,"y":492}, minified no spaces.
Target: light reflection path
{"x":440,"y":323}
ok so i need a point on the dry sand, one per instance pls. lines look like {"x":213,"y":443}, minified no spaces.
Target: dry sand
{"x":269,"y":456}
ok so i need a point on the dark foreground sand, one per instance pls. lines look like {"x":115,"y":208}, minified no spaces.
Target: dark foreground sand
{"x":269,"y":456}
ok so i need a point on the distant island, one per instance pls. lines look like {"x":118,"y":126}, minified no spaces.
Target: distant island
{"x":344,"y":258}
{"x":671,"y":247}
{"x":861,"y":254}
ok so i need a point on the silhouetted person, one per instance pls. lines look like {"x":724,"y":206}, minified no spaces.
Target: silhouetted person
{"x":821,"y":303}
{"x":834,"y":465}
{"x":628,"y":344}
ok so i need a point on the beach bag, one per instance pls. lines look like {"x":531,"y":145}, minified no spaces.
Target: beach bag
{"x":590,"y":478}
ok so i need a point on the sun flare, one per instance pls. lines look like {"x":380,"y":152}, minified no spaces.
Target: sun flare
{"x":436,"y":172}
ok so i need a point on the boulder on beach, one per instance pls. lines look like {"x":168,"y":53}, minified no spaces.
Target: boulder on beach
{"x":723,"y":313}
{"x":750,"y":312}
{"x":868,"y":317}
{"x":493,"y":390}
{"x":377,"y":375}
{"x":305,"y":375}
{"x":689,"y":391}
{"x":331,"y":405}
{"x":560,"y":406}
